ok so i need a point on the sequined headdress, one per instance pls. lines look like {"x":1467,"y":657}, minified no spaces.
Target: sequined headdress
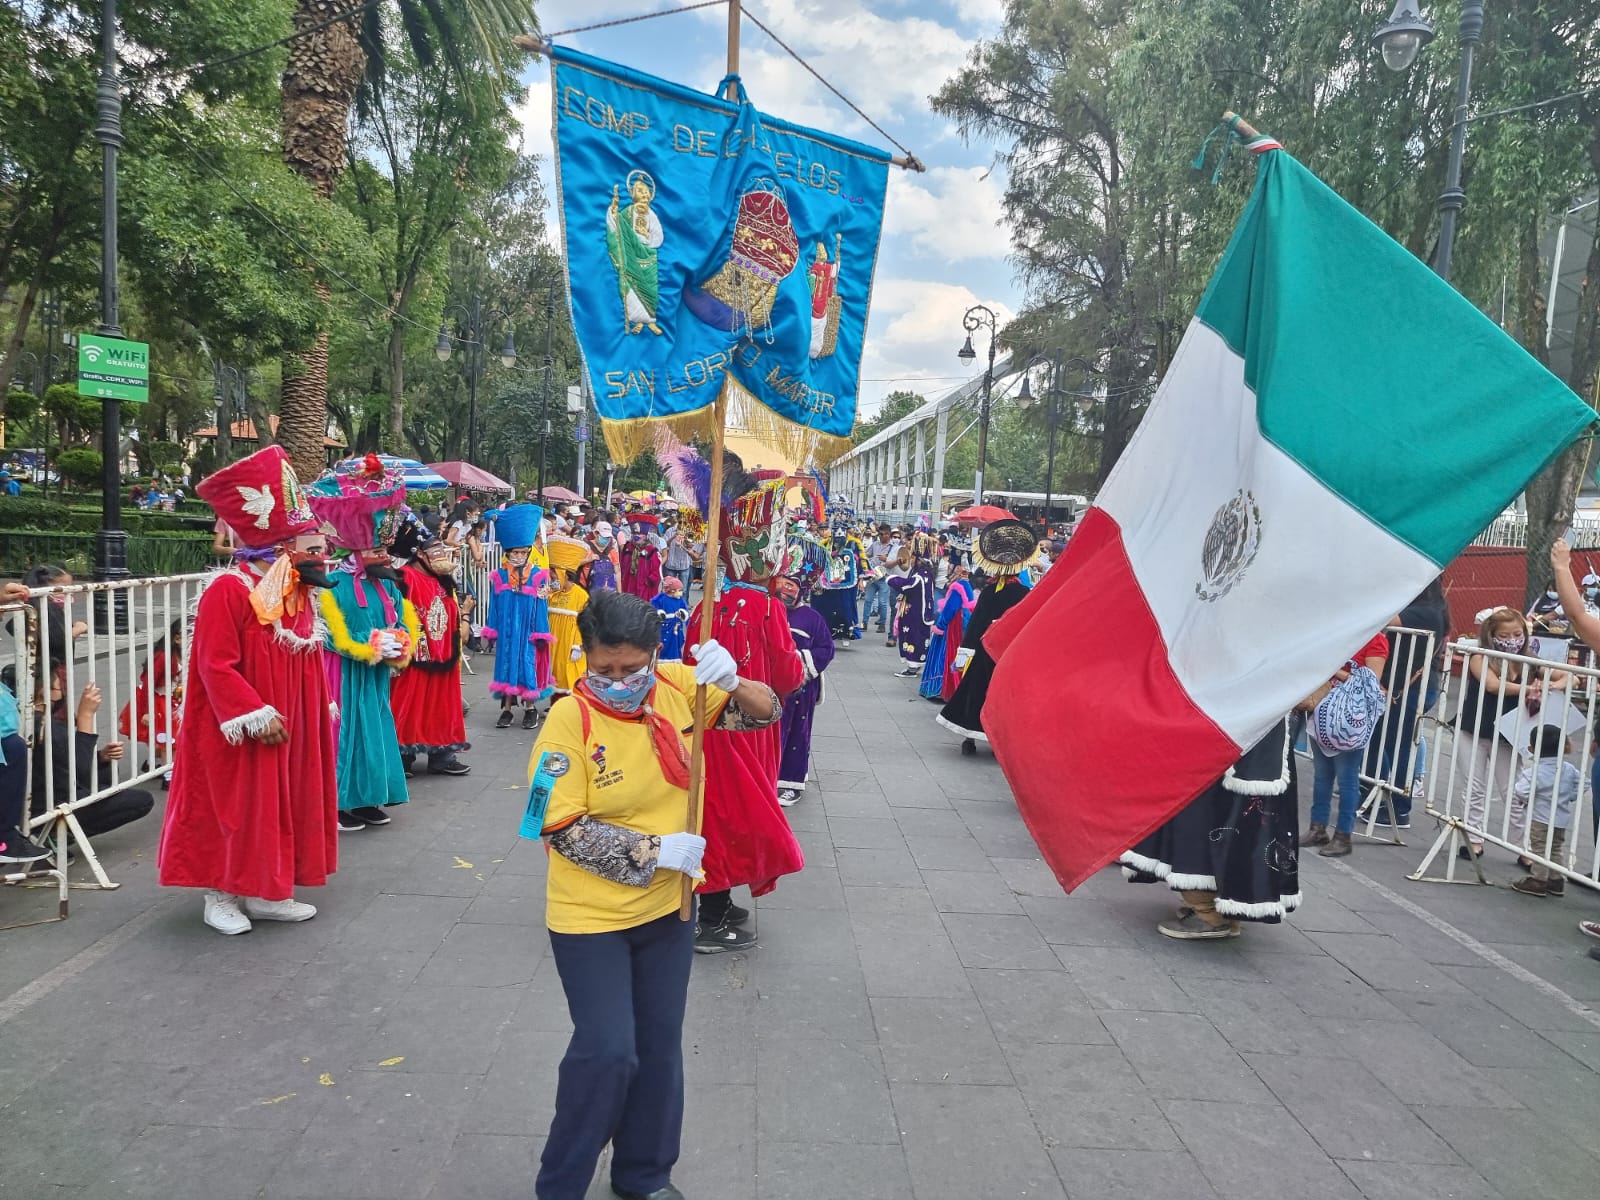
{"x":363,"y":510}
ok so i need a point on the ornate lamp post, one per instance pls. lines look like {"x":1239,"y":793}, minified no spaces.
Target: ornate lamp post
{"x":472,"y":332}
{"x":1400,"y":39}
{"x":1057,"y":366}
{"x":974,"y":319}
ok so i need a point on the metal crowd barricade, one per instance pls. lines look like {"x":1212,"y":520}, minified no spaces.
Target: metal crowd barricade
{"x":476,"y":577}
{"x":128,"y":638}
{"x":20,"y":623}
{"x":1389,"y":768}
{"x":1472,"y":781}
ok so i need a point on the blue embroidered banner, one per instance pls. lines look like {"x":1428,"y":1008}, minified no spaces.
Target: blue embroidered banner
{"x":709,"y":246}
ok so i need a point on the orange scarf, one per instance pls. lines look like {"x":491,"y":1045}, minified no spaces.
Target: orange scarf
{"x":278,"y":593}
{"x":671,"y":757}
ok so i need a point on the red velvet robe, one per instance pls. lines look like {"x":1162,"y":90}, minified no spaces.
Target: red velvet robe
{"x":748,"y":839}
{"x":242,"y":817}
{"x":426,"y":696}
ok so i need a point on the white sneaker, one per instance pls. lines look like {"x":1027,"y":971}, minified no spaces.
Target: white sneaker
{"x":224,"y":914}
{"x":279,"y":910}
{"x":789,"y":797}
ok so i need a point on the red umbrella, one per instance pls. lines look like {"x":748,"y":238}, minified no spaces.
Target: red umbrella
{"x":565,"y":495}
{"x":465,"y":475}
{"x":983,"y":514}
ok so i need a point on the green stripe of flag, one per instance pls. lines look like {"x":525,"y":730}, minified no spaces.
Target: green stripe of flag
{"x":1374,"y":374}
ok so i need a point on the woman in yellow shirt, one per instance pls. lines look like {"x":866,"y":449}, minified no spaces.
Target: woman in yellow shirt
{"x":617,"y":751}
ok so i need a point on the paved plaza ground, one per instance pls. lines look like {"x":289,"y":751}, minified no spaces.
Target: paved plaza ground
{"x":928,"y":1017}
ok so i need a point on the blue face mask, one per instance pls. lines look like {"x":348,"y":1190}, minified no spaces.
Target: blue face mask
{"x":625,"y":695}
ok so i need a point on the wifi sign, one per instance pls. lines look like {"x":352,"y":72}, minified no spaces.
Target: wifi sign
{"x":113,"y":369}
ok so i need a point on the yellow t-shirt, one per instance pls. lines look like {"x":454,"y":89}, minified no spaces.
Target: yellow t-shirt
{"x":613,"y":777}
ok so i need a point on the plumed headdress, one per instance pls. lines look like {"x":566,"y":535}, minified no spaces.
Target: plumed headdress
{"x":413,"y":536}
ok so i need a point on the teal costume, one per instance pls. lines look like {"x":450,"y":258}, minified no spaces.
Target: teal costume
{"x":363,"y":510}
{"x":369,"y":769}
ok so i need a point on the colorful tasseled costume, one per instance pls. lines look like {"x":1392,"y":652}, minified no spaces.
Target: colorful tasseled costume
{"x":748,"y":839}
{"x":521,"y":610}
{"x":641,"y":558}
{"x":674,"y":612}
{"x":362,"y":607}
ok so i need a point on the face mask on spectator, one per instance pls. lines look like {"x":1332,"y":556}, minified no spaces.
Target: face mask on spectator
{"x":1510,"y":645}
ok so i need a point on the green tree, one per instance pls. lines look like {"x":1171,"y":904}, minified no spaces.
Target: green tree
{"x":1042,"y":91}
{"x":79,"y":467}
{"x":428,"y":144}
{"x":326,"y":69}
{"x":50,"y":184}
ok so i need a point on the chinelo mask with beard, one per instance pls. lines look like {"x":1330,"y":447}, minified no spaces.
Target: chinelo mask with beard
{"x":441,"y":560}
{"x":377,"y":565}
{"x":308,"y":557}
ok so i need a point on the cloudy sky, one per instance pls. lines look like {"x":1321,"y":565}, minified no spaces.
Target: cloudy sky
{"x":943,"y":249}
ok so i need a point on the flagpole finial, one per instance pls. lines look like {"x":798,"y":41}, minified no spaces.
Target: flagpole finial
{"x":1255,"y":141}
{"x":1240,"y":126}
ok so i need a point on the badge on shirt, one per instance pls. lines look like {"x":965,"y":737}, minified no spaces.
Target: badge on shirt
{"x":544,"y":780}
{"x":556,"y":764}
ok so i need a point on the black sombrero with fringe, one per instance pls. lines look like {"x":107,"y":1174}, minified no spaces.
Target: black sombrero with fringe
{"x":1006,"y":547}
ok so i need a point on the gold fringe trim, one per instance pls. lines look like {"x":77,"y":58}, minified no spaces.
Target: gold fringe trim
{"x":1002,"y":570}
{"x":800,"y":444}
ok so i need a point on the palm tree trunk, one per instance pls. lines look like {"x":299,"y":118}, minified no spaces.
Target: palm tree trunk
{"x":319,"y":87}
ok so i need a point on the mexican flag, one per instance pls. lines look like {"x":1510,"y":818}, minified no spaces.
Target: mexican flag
{"x":1337,"y":424}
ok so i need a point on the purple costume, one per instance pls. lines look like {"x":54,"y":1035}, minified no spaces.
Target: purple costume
{"x":815,"y":644}
{"x":914,"y":616}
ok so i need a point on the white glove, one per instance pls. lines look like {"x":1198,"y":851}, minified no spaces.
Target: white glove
{"x":389,"y":645}
{"x":714,"y":666}
{"x":963,"y":657}
{"x":577,"y":653}
{"x":681,"y":852}
{"x":811,"y":664}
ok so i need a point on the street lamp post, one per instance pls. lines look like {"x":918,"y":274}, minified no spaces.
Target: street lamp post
{"x":1058,"y":366}
{"x":231,"y":393}
{"x":1399,"y":40}
{"x":473,"y":329}
{"x":111,"y":546}
{"x":1052,"y":389}
{"x":549,"y":323}
{"x":974,"y":319}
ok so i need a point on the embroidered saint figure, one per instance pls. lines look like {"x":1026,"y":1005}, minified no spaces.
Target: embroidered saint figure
{"x":633,"y":240}
{"x":823,"y":276}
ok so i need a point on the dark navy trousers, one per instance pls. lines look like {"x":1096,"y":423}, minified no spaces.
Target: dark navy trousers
{"x":622,"y":1078}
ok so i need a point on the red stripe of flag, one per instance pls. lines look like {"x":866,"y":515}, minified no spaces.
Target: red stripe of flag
{"x":1097,"y":737}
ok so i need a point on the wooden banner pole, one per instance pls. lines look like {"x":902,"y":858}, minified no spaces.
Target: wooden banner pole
{"x":708,"y":607}
{"x":708,"y":589}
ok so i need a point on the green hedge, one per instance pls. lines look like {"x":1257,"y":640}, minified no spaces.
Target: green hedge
{"x":159,"y":553}
{"x":30,"y":512}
